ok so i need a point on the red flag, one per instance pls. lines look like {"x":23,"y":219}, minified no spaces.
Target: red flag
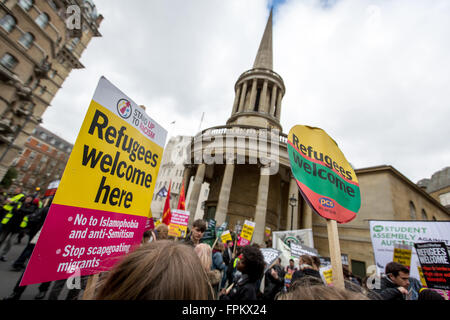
{"x":182,"y":200}
{"x":167,"y":214}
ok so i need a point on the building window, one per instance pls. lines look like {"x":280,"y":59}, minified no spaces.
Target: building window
{"x":42,"y":20}
{"x":26,"y":4}
{"x":424,"y":215}
{"x":444,"y":199}
{"x":412,"y":210}
{"x":8,"y":23}
{"x":52,"y":74}
{"x":73,"y":44}
{"x":26,"y":40}
{"x":43,"y":89}
{"x":8,"y":61}
{"x":53,"y":5}
{"x":43,"y":135}
{"x":434,"y":218}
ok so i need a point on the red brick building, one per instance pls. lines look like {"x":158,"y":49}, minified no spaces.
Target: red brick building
{"x":42,"y":161}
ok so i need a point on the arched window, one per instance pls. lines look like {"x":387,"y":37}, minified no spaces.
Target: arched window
{"x":42,"y":20}
{"x":8,"y":22}
{"x":412,"y":210}
{"x":424,"y":215}
{"x":27,"y":40}
{"x":8,"y":61}
{"x":73,"y":44}
{"x":434,"y":218}
{"x":26,"y":4}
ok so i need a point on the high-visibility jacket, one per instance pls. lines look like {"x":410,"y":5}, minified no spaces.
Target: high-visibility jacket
{"x":10,"y":206}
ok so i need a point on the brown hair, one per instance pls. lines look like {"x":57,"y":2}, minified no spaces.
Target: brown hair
{"x":161,"y":270}
{"x":316,"y":262}
{"x":163,"y":231}
{"x":219,"y":246}
{"x":320,"y":292}
{"x":200,"y":224}
{"x":394,"y":268}
{"x":306,"y":259}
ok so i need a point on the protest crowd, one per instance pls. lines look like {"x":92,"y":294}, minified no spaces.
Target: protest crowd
{"x":167,"y":267}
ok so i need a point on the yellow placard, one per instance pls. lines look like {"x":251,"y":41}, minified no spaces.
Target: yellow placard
{"x":402,"y":256}
{"x":113,"y":167}
{"x":328,"y":275}
{"x":422,"y":278}
{"x":226,"y":236}
{"x":247,"y":230}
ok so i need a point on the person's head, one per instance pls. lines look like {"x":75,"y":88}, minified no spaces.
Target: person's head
{"x":146,"y":236}
{"x":398,"y":274}
{"x":161,"y":270}
{"x":28,"y":199}
{"x":198,"y":228}
{"x":316,"y":262}
{"x":17,"y":190}
{"x":203,"y":251}
{"x":219,"y":246}
{"x":309,"y":288}
{"x":346,"y":272}
{"x":279,"y":261}
{"x":305,"y":261}
{"x":251,"y":262}
{"x":429,"y":294}
{"x":230,"y":244}
{"x":291,"y":263}
{"x":163,"y":231}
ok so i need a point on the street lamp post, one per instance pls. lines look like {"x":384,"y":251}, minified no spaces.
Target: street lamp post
{"x":292,"y":202}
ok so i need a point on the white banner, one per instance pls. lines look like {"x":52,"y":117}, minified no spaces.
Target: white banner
{"x":282,"y":240}
{"x":386,"y":234}
{"x":303,"y":237}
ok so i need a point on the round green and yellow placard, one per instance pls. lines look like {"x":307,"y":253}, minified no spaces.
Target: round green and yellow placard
{"x":325,"y":178}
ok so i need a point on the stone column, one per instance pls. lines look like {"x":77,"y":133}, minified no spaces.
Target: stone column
{"x":224,"y":196}
{"x":252,"y":95}
{"x":279,"y":105}
{"x":244,"y":92}
{"x":306,"y":216}
{"x":195,"y":194}
{"x":236,"y":101}
{"x":263,"y":99}
{"x":261,"y":208}
{"x":273,"y":101}
{"x":292,"y":191}
{"x":186,"y":177}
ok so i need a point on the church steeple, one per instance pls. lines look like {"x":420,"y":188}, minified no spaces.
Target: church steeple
{"x":259,"y":91}
{"x":264,"y":57}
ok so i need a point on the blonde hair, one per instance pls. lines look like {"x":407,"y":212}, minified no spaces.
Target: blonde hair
{"x":161,"y":270}
{"x":163,"y":231}
{"x":204,"y":253}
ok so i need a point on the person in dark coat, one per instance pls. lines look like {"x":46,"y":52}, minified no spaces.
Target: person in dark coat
{"x":273,"y":281}
{"x":14,"y":224}
{"x":305,"y":269}
{"x":251,"y":264}
{"x":394,"y":285}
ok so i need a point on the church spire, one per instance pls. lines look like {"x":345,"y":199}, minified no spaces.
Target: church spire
{"x":264,"y":57}
{"x":259,"y":91}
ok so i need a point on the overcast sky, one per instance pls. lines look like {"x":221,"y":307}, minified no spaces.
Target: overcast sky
{"x":374,"y":74}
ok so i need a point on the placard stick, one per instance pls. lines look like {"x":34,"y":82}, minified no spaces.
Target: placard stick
{"x":229,"y":288}
{"x":90,"y":287}
{"x":335,"y":254}
{"x":215,"y":242}
{"x":234,"y":248}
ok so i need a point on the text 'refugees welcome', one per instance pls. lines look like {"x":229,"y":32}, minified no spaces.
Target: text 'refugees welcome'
{"x":112,"y":165}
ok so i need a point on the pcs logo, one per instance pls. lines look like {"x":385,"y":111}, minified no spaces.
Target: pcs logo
{"x":124,"y":108}
{"x":326,"y":202}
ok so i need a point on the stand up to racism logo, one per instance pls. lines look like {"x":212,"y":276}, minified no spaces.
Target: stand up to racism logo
{"x":325,"y":178}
